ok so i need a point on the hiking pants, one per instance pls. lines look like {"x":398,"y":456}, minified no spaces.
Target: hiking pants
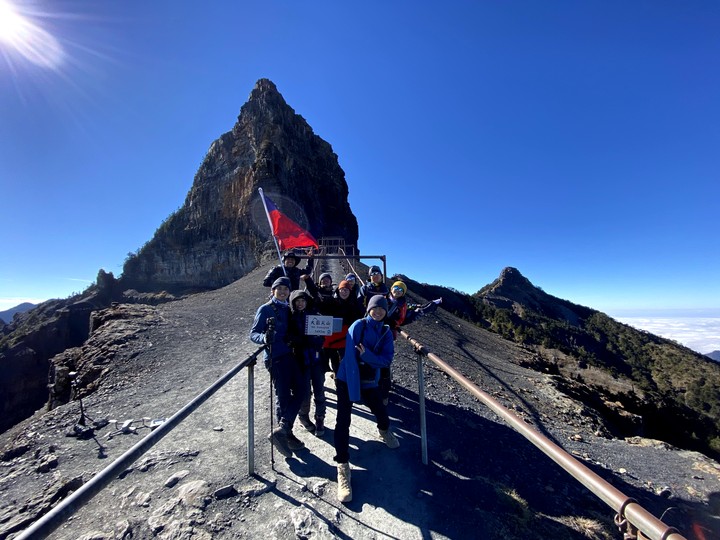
{"x":372,"y":398}
{"x":289,"y":382}
{"x":315,"y":385}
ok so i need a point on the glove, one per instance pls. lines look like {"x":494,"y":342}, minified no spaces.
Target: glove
{"x":269,"y":337}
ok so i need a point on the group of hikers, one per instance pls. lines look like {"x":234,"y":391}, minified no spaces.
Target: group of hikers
{"x":359,"y":355}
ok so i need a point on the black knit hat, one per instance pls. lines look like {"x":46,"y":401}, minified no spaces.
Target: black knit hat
{"x":281,"y":281}
{"x":377,"y":300}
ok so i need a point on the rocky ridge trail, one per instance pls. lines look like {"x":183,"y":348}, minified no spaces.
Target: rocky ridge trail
{"x":482,"y":477}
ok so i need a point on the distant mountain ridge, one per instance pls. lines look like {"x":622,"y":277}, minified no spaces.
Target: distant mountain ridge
{"x":7,"y":315}
{"x":715,"y":355}
{"x":649,"y":385}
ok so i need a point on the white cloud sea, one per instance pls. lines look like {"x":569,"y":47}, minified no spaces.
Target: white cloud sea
{"x":701,"y":334}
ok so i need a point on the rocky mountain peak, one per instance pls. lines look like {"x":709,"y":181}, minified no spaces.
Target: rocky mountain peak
{"x":265,"y":99}
{"x":220,"y":233}
{"x":512,"y":290}
{"x":511,"y":278}
{"x":511,"y":286}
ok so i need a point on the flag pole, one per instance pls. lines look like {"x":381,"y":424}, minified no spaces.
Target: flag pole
{"x":267,"y":214}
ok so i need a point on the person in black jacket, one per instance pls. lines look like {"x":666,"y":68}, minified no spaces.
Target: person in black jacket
{"x":307,"y":349}
{"x":325,"y":288}
{"x":290,"y":268}
{"x":342,"y":305}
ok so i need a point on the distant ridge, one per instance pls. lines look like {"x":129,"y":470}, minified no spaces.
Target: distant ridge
{"x":715,"y":355}
{"x":7,"y":315}
{"x":645,"y":384}
{"x":511,"y":288}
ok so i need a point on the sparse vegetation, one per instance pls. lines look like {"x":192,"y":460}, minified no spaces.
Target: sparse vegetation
{"x":674,"y":389}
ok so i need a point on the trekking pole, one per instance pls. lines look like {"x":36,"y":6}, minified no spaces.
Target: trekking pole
{"x":271,"y":331}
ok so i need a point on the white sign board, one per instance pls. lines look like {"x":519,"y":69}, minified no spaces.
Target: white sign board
{"x":318,"y":325}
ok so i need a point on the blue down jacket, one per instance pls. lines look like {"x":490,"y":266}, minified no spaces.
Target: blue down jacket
{"x":379,"y":350}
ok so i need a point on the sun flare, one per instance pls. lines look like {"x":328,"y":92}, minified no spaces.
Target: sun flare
{"x":20,"y":34}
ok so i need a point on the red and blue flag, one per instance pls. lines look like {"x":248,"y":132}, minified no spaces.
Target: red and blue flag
{"x":288,"y":233}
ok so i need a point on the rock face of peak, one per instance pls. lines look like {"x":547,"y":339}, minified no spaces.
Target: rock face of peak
{"x":220,"y":232}
{"x":512,"y":290}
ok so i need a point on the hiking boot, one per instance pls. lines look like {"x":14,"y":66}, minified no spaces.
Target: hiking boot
{"x":344,"y":487}
{"x":307,"y":423}
{"x":279,"y":439}
{"x":319,"y":426}
{"x":389,"y":438}
{"x":293,"y":442}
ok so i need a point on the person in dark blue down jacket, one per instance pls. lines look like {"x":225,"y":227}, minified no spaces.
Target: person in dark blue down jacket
{"x":375,"y":285}
{"x":369,"y":346}
{"x":286,"y":373}
{"x":290,"y":268}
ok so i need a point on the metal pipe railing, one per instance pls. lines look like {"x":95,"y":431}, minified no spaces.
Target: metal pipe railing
{"x":50,"y":521}
{"x":627,"y":509}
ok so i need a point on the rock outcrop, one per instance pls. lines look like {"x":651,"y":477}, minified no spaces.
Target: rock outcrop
{"x":512,"y":290}
{"x":220,"y":232}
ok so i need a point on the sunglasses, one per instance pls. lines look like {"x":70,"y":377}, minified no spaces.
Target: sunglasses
{"x":398,"y":289}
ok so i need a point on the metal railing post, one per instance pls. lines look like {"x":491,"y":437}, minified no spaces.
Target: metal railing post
{"x":251,"y":420}
{"x":50,"y":521}
{"x":421,"y":399}
{"x":626,"y":507}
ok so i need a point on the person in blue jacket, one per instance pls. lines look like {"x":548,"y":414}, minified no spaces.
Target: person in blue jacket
{"x":368,"y":348}
{"x":287,"y":375}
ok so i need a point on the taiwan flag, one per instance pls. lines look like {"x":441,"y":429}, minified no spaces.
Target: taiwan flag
{"x":288,"y":233}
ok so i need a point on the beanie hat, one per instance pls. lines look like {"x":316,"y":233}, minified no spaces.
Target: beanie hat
{"x":350,"y":277}
{"x":324,"y":275}
{"x":374,"y":270}
{"x":280,"y":281}
{"x":377,"y":300}
{"x":401,"y":285}
{"x":345,"y":284}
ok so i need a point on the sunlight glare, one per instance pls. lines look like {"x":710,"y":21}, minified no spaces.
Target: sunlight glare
{"x":27,"y":38}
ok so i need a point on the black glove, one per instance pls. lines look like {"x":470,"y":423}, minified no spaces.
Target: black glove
{"x":270,"y":331}
{"x":269,"y":337}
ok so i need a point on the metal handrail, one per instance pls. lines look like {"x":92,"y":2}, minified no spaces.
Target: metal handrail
{"x":50,"y":521}
{"x":629,"y":512}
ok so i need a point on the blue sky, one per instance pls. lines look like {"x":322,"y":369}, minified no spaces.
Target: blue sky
{"x":575,"y":141}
